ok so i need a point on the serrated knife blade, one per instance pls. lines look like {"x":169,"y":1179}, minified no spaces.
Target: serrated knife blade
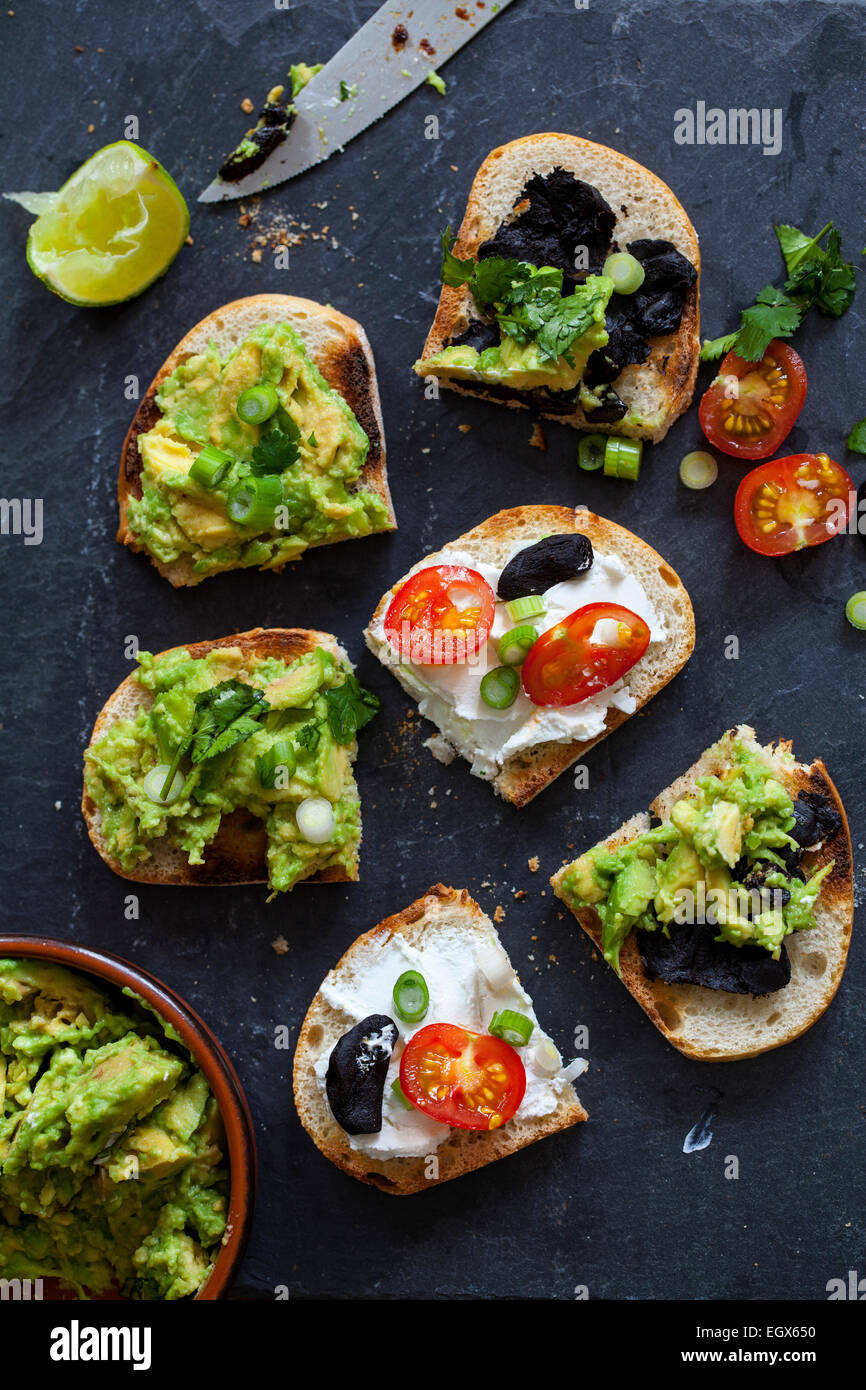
{"x":383,"y":71}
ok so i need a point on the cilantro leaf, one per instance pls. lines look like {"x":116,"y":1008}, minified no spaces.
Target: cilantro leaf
{"x":274,"y":453}
{"x":714,"y":348}
{"x":773,"y":315}
{"x":839,"y":282}
{"x":350,"y":707}
{"x":816,"y":276}
{"x":497,"y":279}
{"x":225,"y":715}
{"x":796,"y":246}
{"x":454,"y":271}
{"x":308,"y":736}
{"x":567,"y":319}
{"x":856,"y":440}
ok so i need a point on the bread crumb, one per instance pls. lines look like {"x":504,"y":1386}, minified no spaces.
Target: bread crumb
{"x":464,"y":429}
{"x":189,"y":241}
{"x":499,"y":915}
{"x":520,"y":894}
{"x":280,"y":945}
{"x":91,"y":128}
{"x":538,"y":439}
{"x":244,"y":219}
{"x":246,"y":104}
{"x":257,"y":255}
{"x":533,"y":864}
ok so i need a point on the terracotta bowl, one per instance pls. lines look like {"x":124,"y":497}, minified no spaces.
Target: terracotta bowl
{"x":210,"y":1057}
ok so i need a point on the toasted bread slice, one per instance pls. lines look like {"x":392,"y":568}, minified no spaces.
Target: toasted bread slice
{"x":237,"y":853}
{"x":440,"y":910}
{"x":337,"y":345}
{"x":528,"y":772}
{"x":712,"y":1025}
{"x":658,"y":390}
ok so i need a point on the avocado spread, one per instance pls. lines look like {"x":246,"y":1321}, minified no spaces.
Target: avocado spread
{"x":723,"y":858}
{"x":112,"y":1174}
{"x":231,"y":731}
{"x":270,"y":489}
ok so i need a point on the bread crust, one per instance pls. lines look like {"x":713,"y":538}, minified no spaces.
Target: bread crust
{"x":346,"y":364}
{"x":669,"y":1005}
{"x":464,"y":1150}
{"x":672,"y":365}
{"x":527,"y":773}
{"x":237,"y":853}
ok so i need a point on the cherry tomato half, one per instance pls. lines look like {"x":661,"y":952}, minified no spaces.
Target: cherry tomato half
{"x":469,"y":1080}
{"x":440,"y":616}
{"x":566,"y":666}
{"x":790,"y":503}
{"x":751,"y":406}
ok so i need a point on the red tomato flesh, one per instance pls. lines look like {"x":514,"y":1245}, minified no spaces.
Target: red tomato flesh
{"x":566,"y":666}
{"x":790,"y":503}
{"x":751,"y":407}
{"x":440,"y":616}
{"x":465,"y":1079}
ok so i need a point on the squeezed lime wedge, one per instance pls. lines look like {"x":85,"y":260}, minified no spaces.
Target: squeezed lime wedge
{"x":113,"y":228}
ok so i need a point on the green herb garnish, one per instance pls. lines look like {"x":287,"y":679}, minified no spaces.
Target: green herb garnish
{"x":527,"y":300}
{"x":350,"y":707}
{"x":856,"y":440}
{"x":225,"y":715}
{"x":816,"y":276}
{"x":274,"y":453}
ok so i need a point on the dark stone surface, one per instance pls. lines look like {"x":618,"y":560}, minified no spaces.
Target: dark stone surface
{"x":614,"y":1204}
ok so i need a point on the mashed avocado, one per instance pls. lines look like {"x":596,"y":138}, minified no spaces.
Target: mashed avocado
{"x":233,"y":731}
{"x":723,"y":847}
{"x":312,"y":444}
{"x":111,"y":1166}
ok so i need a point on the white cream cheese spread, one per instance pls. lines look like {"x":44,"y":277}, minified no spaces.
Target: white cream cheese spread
{"x":469,"y":980}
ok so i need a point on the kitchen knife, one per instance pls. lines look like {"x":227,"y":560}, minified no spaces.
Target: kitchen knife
{"x":377,"y":63}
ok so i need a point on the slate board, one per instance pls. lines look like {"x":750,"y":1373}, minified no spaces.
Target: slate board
{"x":615,"y":1204}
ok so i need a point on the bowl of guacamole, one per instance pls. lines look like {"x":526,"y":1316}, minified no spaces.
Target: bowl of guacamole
{"x":127,"y":1155}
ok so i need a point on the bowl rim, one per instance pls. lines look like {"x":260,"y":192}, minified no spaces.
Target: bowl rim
{"x":210,"y":1057}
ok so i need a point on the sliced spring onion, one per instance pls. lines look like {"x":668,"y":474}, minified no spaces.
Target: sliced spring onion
{"x":511,"y":1027}
{"x":590,"y":452}
{"x":254,"y":501}
{"x":257,"y":403}
{"x":281,"y":754}
{"x":625,"y":271}
{"x":316,"y":820}
{"x":622,"y":457}
{"x":546,"y":1056}
{"x":411,"y":996}
{"x":530,"y":606}
{"x":699,"y":470}
{"x":155,"y":782}
{"x":499,"y":687}
{"x":494,"y":965}
{"x":513,"y":645}
{"x":400,"y":1094}
{"x":210,"y":467}
{"x":855,"y":610}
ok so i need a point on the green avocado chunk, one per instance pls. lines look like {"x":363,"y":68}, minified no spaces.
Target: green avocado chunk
{"x":737,"y":821}
{"x":112,"y":1172}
